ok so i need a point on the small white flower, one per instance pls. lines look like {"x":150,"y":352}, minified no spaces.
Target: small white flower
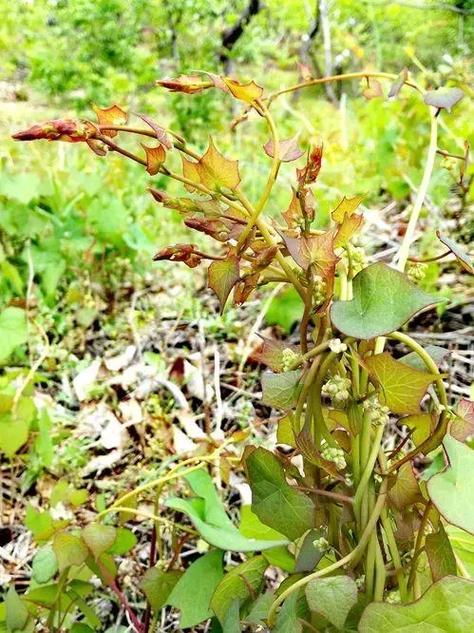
{"x":337,"y":346}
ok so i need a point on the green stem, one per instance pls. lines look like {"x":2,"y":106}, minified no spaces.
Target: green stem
{"x":369,"y":466}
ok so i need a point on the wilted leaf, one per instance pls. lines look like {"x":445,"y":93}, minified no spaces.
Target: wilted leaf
{"x":114,"y":115}
{"x":293,"y":215}
{"x":332,"y":598}
{"x":402,"y":386}
{"x":223,"y":275}
{"x":452,"y":491}
{"x":240,"y":583}
{"x":281,"y":390}
{"x":440,"y":554}
{"x":384,"y":299}
{"x":189,"y":84}
{"x":185,"y":253}
{"x":155,"y":157}
{"x":462,"y":257}
{"x":309,"y":173}
{"x":161,"y":135}
{"x":288,"y":149}
{"x":193,"y":592}
{"x":405,"y":491}
{"x":447,"y":607}
{"x":398,"y":84}
{"x":215,"y":171}
{"x":462,"y":426}
{"x":249,"y":92}
{"x":443,"y":97}
{"x":373,"y":89}
{"x":274,"y":501}
{"x":157,"y":585}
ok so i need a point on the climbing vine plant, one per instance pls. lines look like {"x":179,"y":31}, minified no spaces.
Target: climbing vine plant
{"x":351,"y":528}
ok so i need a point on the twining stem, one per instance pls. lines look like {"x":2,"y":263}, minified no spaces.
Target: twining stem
{"x":350,"y":559}
{"x":418,"y":544}
{"x":369,"y":467}
{"x":409,"y":236}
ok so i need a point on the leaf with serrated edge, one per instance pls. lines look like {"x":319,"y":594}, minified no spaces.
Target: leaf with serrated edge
{"x":462,"y":257}
{"x":384,"y":299}
{"x":274,"y":501}
{"x":447,"y":607}
{"x":402,"y":386}
{"x":452,"y":491}
{"x":348,"y":228}
{"x":249,"y":92}
{"x":215,"y":171}
{"x":155,"y":157}
{"x":346,"y":208}
{"x":332,"y":598}
{"x":114,"y":115}
{"x":223,"y":275}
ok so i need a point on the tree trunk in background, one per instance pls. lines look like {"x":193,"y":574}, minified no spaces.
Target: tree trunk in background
{"x":231,"y":35}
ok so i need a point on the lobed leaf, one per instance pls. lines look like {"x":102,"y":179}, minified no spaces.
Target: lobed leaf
{"x":249,"y":92}
{"x":113,"y":115}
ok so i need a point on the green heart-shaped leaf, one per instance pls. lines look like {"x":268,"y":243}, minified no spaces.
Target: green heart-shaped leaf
{"x":384,"y":299}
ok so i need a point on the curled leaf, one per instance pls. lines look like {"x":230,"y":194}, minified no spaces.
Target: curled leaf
{"x":189,"y":84}
{"x":373,"y":89}
{"x":68,"y":130}
{"x":114,"y":115}
{"x":310,"y":171}
{"x":288,"y":149}
{"x":185,"y":253}
{"x":398,"y":84}
{"x":217,"y":228}
{"x":161,"y":135}
{"x":292,"y":215}
{"x":445,"y":98}
{"x":462,"y":257}
{"x":249,"y":92}
{"x":155,"y":157}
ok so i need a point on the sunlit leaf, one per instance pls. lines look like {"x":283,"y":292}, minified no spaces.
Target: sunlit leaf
{"x":215,"y":171}
{"x":45,"y":564}
{"x":422,"y":425}
{"x":347,"y":229}
{"x":155,"y":157}
{"x":443,"y":97}
{"x":58,"y":130}
{"x":332,"y":598}
{"x":281,"y":390}
{"x":346,"y":208}
{"x":114,"y":115}
{"x":316,"y":250}
{"x":13,"y":330}
{"x":447,"y":607}
{"x":288,"y":149}
{"x":460,"y":254}
{"x":222,"y":276}
{"x":384,"y":299}
{"x":249,"y":92}
{"x":274,"y":501}
{"x":440,"y":554}
{"x":452,"y":491}
{"x":309,"y":173}
{"x":191,"y":173}
{"x":402,"y":386}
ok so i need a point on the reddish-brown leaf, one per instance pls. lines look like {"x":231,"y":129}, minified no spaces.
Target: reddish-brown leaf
{"x":161,"y":135}
{"x":185,"y":253}
{"x":398,"y":84}
{"x":373,"y":89}
{"x":67,"y":130}
{"x":217,"y":228}
{"x":462,"y":426}
{"x":189,"y":84}
{"x":155,"y":157}
{"x":245,"y":287}
{"x":114,"y":115}
{"x":309,"y":173}
{"x":293,"y":215}
{"x":215,"y":171}
{"x":222,"y":277}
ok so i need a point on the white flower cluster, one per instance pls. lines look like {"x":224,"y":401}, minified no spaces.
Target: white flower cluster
{"x":321,"y":544}
{"x":377,"y":413}
{"x":417,"y":271}
{"x":334,"y":455}
{"x":357,"y":259}
{"x":337,"y":346}
{"x":337,"y":388}
{"x":319,"y":289}
{"x":289,"y":358}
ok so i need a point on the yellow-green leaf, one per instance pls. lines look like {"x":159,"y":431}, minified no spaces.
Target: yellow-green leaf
{"x":222,"y":276}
